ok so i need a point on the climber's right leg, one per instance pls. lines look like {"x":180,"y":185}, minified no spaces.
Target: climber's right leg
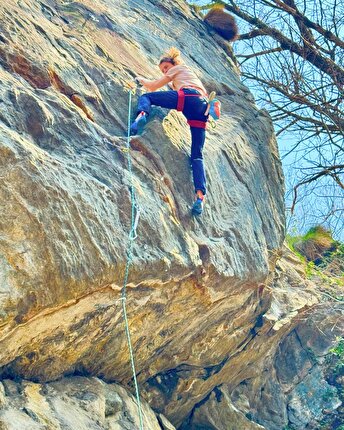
{"x":165,"y":99}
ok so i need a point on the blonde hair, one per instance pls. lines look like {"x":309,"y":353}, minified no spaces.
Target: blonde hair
{"x":172,"y":56}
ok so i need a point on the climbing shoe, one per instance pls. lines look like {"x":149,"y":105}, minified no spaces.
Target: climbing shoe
{"x":139,"y":123}
{"x":197,"y":207}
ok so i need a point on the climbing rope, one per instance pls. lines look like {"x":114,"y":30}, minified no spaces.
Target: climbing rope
{"x":135,"y":214}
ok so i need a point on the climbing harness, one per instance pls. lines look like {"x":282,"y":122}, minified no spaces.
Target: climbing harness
{"x":135,"y":214}
{"x":182,"y":95}
{"x":213,"y":108}
{"x":180,"y":107}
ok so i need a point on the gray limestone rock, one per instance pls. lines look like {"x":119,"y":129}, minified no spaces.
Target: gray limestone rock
{"x":75,"y":403}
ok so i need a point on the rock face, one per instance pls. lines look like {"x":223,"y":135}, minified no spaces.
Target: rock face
{"x":209,"y":310}
{"x":72,"y":403}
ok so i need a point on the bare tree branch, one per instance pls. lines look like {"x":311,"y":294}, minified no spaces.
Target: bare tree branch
{"x":251,"y":34}
{"x":325,"y":171}
{"x":301,"y":99}
{"x":257,"y":54}
{"x":290,"y":7}
{"x":308,"y":52}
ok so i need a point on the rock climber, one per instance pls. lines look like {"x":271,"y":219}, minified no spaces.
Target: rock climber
{"x":187,"y":95}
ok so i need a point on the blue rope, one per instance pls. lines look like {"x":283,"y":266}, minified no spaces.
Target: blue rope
{"x":132,"y":236}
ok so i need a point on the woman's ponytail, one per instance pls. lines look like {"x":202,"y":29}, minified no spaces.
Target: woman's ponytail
{"x":172,"y":56}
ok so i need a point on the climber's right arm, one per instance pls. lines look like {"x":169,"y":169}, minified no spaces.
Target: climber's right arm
{"x":153,"y":85}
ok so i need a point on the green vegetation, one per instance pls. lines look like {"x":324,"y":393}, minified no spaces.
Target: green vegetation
{"x":328,"y":395}
{"x":338,"y":352}
{"x":315,"y":241}
{"x":335,"y":373}
{"x":291,"y":240}
{"x":322,"y":255}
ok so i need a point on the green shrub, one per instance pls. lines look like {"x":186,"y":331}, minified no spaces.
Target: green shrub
{"x":322,"y":255}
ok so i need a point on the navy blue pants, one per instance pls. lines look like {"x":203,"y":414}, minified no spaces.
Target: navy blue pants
{"x":194,"y":108}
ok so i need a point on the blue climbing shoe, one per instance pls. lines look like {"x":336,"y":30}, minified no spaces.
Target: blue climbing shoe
{"x":138,"y":124}
{"x":197,"y":207}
